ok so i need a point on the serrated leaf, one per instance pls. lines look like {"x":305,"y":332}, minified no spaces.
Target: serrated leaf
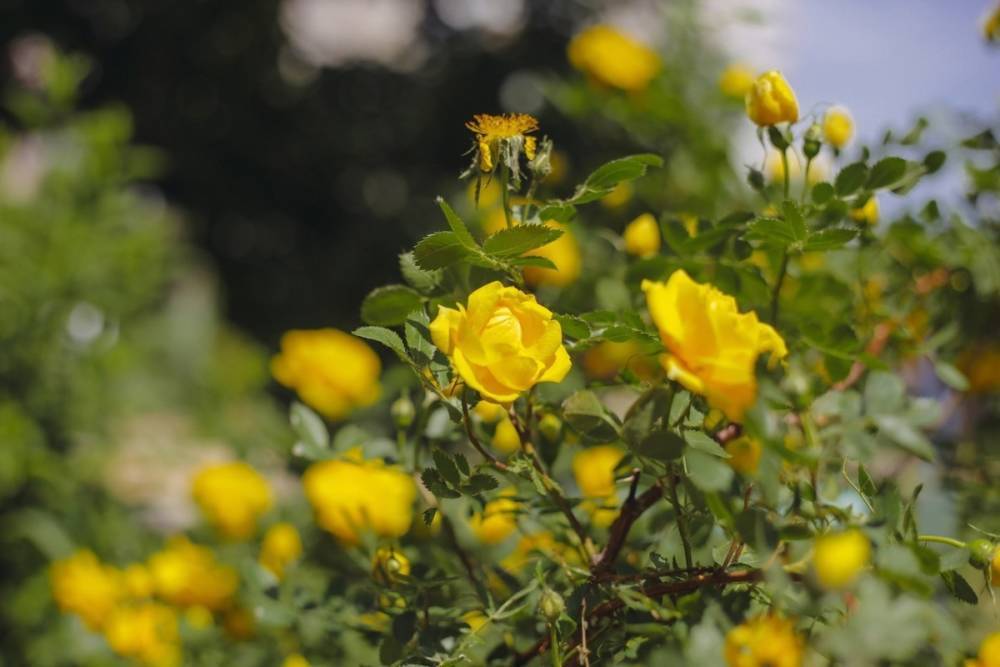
{"x":707,"y":472}
{"x":573,"y":327}
{"x":435,"y":484}
{"x":610,"y":174}
{"x":822,"y":192}
{"x":557,"y":212}
{"x":386,"y":337}
{"x":771,"y":230}
{"x":439,"y":250}
{"x":520,"y":239}
{"x":389,"y":305}
{"x":661,"y":445}
{"x":446,"y":466}
{"x":458,"y":227}
{"x":585,"y":413}
{"x":704,"y":443}
{"x":418,"y":278}
{"x":480,"y":483}
{"x":829,"y":239}
{"x":794,"y":220}
{"x":886,"y":172}
{"x":533,"y":260}
{"x":428,"y":516}
{"x":851,"y":178}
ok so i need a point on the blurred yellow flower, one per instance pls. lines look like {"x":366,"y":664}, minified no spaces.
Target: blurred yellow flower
{"x":295,"y":660}
{"x":736,"y":80}
{"x":564,"y":252}
{"x":146,"y":633}
{"x":502,"y":343}
{"x":232,"y":496}
{"x":980,"y":363}
{"x":989,"y":653}
{"x":839,"y":558}
{"x":352,"y":496}
{"x":332,"y":371}
{"x":613,"y":58}
{"x":991,"y":24}
{"x":995,"y":569}
{"x":489,"y":412}
{"x":618,"y":196}
{"x":198,"y":617}
{"x":594,"y":470}
{"x":84,"y":586}
{"x":764,"y":641}
{"x":542,"y":543}
{"x":505,"y":438}
{"x":818,"y":168}
{"x":187,"y":574}
{"x":770,"y":100}
{"x":497,"y":520}
{"x":475,"y":619}
{"x":838,"y":126}
{"x":712,"y":347}
{"x":744,"y":454}
{"x":492,"y":132}
{"x":642,"y":236}
{"x":138,"y":581}
{"x":389,"y":566}
{"x":282,"y":546}
{"x":868,"y":213}
{"x":606,"y":359}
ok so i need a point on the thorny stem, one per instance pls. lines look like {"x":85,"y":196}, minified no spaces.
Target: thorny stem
{"x":631,"y":510}
{"x":681,"y":519}
{"x":492,"y":460}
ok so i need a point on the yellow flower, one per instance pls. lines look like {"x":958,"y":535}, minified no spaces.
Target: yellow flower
{"x":868,"y":213}
{"x":295,"y":660}
{"x":594,"y":470}
{"x":502,"y":343}
{"x":989,"y":653}
{"x":613,"y":59}
{"x":489,"y":412}
{"x":764,"y":641}
{"x":712,"y":347}
{"x":839,"y":558}
{"x":281,"y":547}
{"x":352,"y":496}
{"x":232,"y":496}
{"x":187,"y":574}
{"x":838,"y":126}
{"x":564,"y":252}
{"x":736,"y":80}
{"x":389,"y":566}
{"x":332,"y":371}
{"x":198,"y":617}
{"x":506,"y":438}
{"x":604,"y":360}
{"x":541,"y":543}
{"x":991,"y":25}
{"x":744,"y":454}
{"x":497,"y":520}
{"x":771,"y":100}
{"x":619,"y":196}
{"x":995,"y":569}
{"x":475,"y":619}
{"x":138,"y":581}
{"x":146,"y":633}
{"x":494,"y":133}
{"x":642,"y":236}
{"x":84,"y":586}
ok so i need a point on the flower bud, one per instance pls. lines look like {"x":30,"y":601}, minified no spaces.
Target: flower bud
{"x":402,"y":412}
{"x":389,"y":566}
{"x":551,"y":605}
{"x":980,"y":553}
{"x":812,"y":141}
{"x":550,"y":426}
{"x":771,"y":100}
{"x":995,"y":568}
{"x":642,"y":236}
{"x":838,"y":126}
{"x":755,"y":178}
{"x":779,"y":139}
{"x":839,"y":558}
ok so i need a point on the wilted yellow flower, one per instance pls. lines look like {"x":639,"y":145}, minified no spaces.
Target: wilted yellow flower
{"x":282,"y":546}
{"x":744,"y":454}
{"x":497,"y":520}
{"x":389,"y":566}
{"x":736,"y":80}
{"x":989,"y":653}
{"x":642,"y":236}
{"x":493,"y":133}
{"x":295,"y":660}
{"x":187,"y":574}
{"x":613,"y":58}
{"x":84,"y":586}
{"x":332,"y":371}
{"x":564,"y":252}
{"x":764,"y":641}
{"x":838,"y":126}
{"x":868,"y":213}
{"x":502,"y":343}
{"x":138,"y":581}
{"x":146,"y":633}
{"x":604,"y":360}
{"x":352,"y":496}
{"x":771,"y":100}
{"x":232,"y":496}
{"x":712,"y":347}
{"x":839,"y":558}
{"x":506,"y":438}
{"x":991,"y":24}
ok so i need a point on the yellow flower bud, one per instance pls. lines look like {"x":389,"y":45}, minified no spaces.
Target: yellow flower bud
{"x":991,"y":31}
{"x":506,"y":438}
{"x":389,"y":566}
{"x":295,"y":660}
{"x":497,"y":520}
{"x":764,"y":641}
{"x":502,"y":343}
{"x":868,"y":213}
{"x":618,"y":197}
{"x":594,"y":470}
{"x":995,"y":569}
{"x":281,"y":547}
{"x":771,"y":100}
{"x":736,"y":80}
{"x":838,"y":126}
{"x":989,"y":652}
{"x":839,"y":558}
{"x":475,"y":619}
{"x":232,"y":496}
{"x":489,"y":412}
{"x":146,"y":633}
{"x":613,"y":59}
{"x":744,"y":454}
{"x":642,"y":236}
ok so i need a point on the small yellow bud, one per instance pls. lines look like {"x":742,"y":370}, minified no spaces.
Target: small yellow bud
{"x":530,"y":144}
{"x":838,"y":126}
{"x":840,"y":557}
{"x":642,"y":236}
{"x":551,"y":605}
{"x":736,"y":80}
{"x":771,"y":100}
{"x":295,"y":660}
{"x":550,"y":426}
{"x":506,"y":438}
{"x":389,"y":566}
{"x":991,"y":25}
{"x":744,"y":455}
{"x":488,"y":411}
{"x":867,"y":213}
{"x":402,"y":411}
{"x":995,"y":569}
{"x":281,"y":547}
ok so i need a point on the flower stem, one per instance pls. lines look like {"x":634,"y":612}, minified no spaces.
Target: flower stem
{"x":554,"y":642}
{"x":940,"y":539}
{"x":505,"y":195}
{"x":784,"y":165}
{"x":681,"y":519}
{"x":776,"y":294}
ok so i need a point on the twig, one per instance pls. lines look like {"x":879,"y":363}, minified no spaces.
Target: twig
{"x":681,"y":520}
{"x":875,"y":346}
{"x":470,"y":569}
{"x":492,"y":460}
{"x":776,"y":294}
{"x":583,"y":650}
{"x":632,"y":509}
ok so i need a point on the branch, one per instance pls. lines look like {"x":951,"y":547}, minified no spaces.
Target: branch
{"x":492,"y":460}
{"x":630,"y":512}
{"x":875,"y":346}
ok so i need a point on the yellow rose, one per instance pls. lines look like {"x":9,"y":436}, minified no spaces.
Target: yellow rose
{"x":564,"y":252}
{"x":744,"y":454}
{"x":613,"y":59}
{"x":838,"y":126}
{"x":736,"y":80}
{"x":332,"y":371}
{"x":991,"y":25}
{"x":389,"y":566}
{"x":989,"y":652}
{"x":497,"y":520}
{"x":281,"y":547}
{"x":295,"y":660}
{"x":868,"y":213}
{"x":351,"y":496}
{"x":502,"y":343}
{"x":138,"y":581}
{"x":594,"y":470}
{"x":604,"y":360}
{"x":712,"y":347}
{"x":642,"y":236}
{"x":764,"y":641}
{"x":146,"y":633}
{"x":839,"y":558}
{"x":84,"y":586}
{"x":771,"y":100}
{"x":506,"y":438}
{"x":187,"y":574}
{"x":489,"y":412}
{"x":232,"y":496}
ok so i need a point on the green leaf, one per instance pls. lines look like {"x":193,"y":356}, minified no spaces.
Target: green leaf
{"x":884,"y":393}
{"x":428,"y":516}
{"x":557,"y":212}
{"x":573,"y":327}
{"x":424,"y":281}
{"x":934,"y":160}
{"x":439,"y":250}
{"x":829,"y":239}
{"x":435,"y":483}
{"x":387,"y":337}
{"x":707,"y":472}
{"x":458,"y":227}
{"x":959,"y":587}
{"x":905,"y":435}
{"x":794,"y":220}
{"x":404,"y":625}
{"x":886,"y":172}
{"x":389,"y":305}
{"x":629,"y":168}
{"x":822,"y":193}
{"x":951,"y":376}
{"x":585,"y":413}
{"x":851,"y":178}
{"x":704,"y":443}
{"x":532,"y":260}
{"x":446,"y":466}
{"x":661,"y":445}
{"x":480,"y":483}
{"x":866,"y":483}
{"x":308,"y":426}
{"x":771,"y":230}
{"x":520,"y":239}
